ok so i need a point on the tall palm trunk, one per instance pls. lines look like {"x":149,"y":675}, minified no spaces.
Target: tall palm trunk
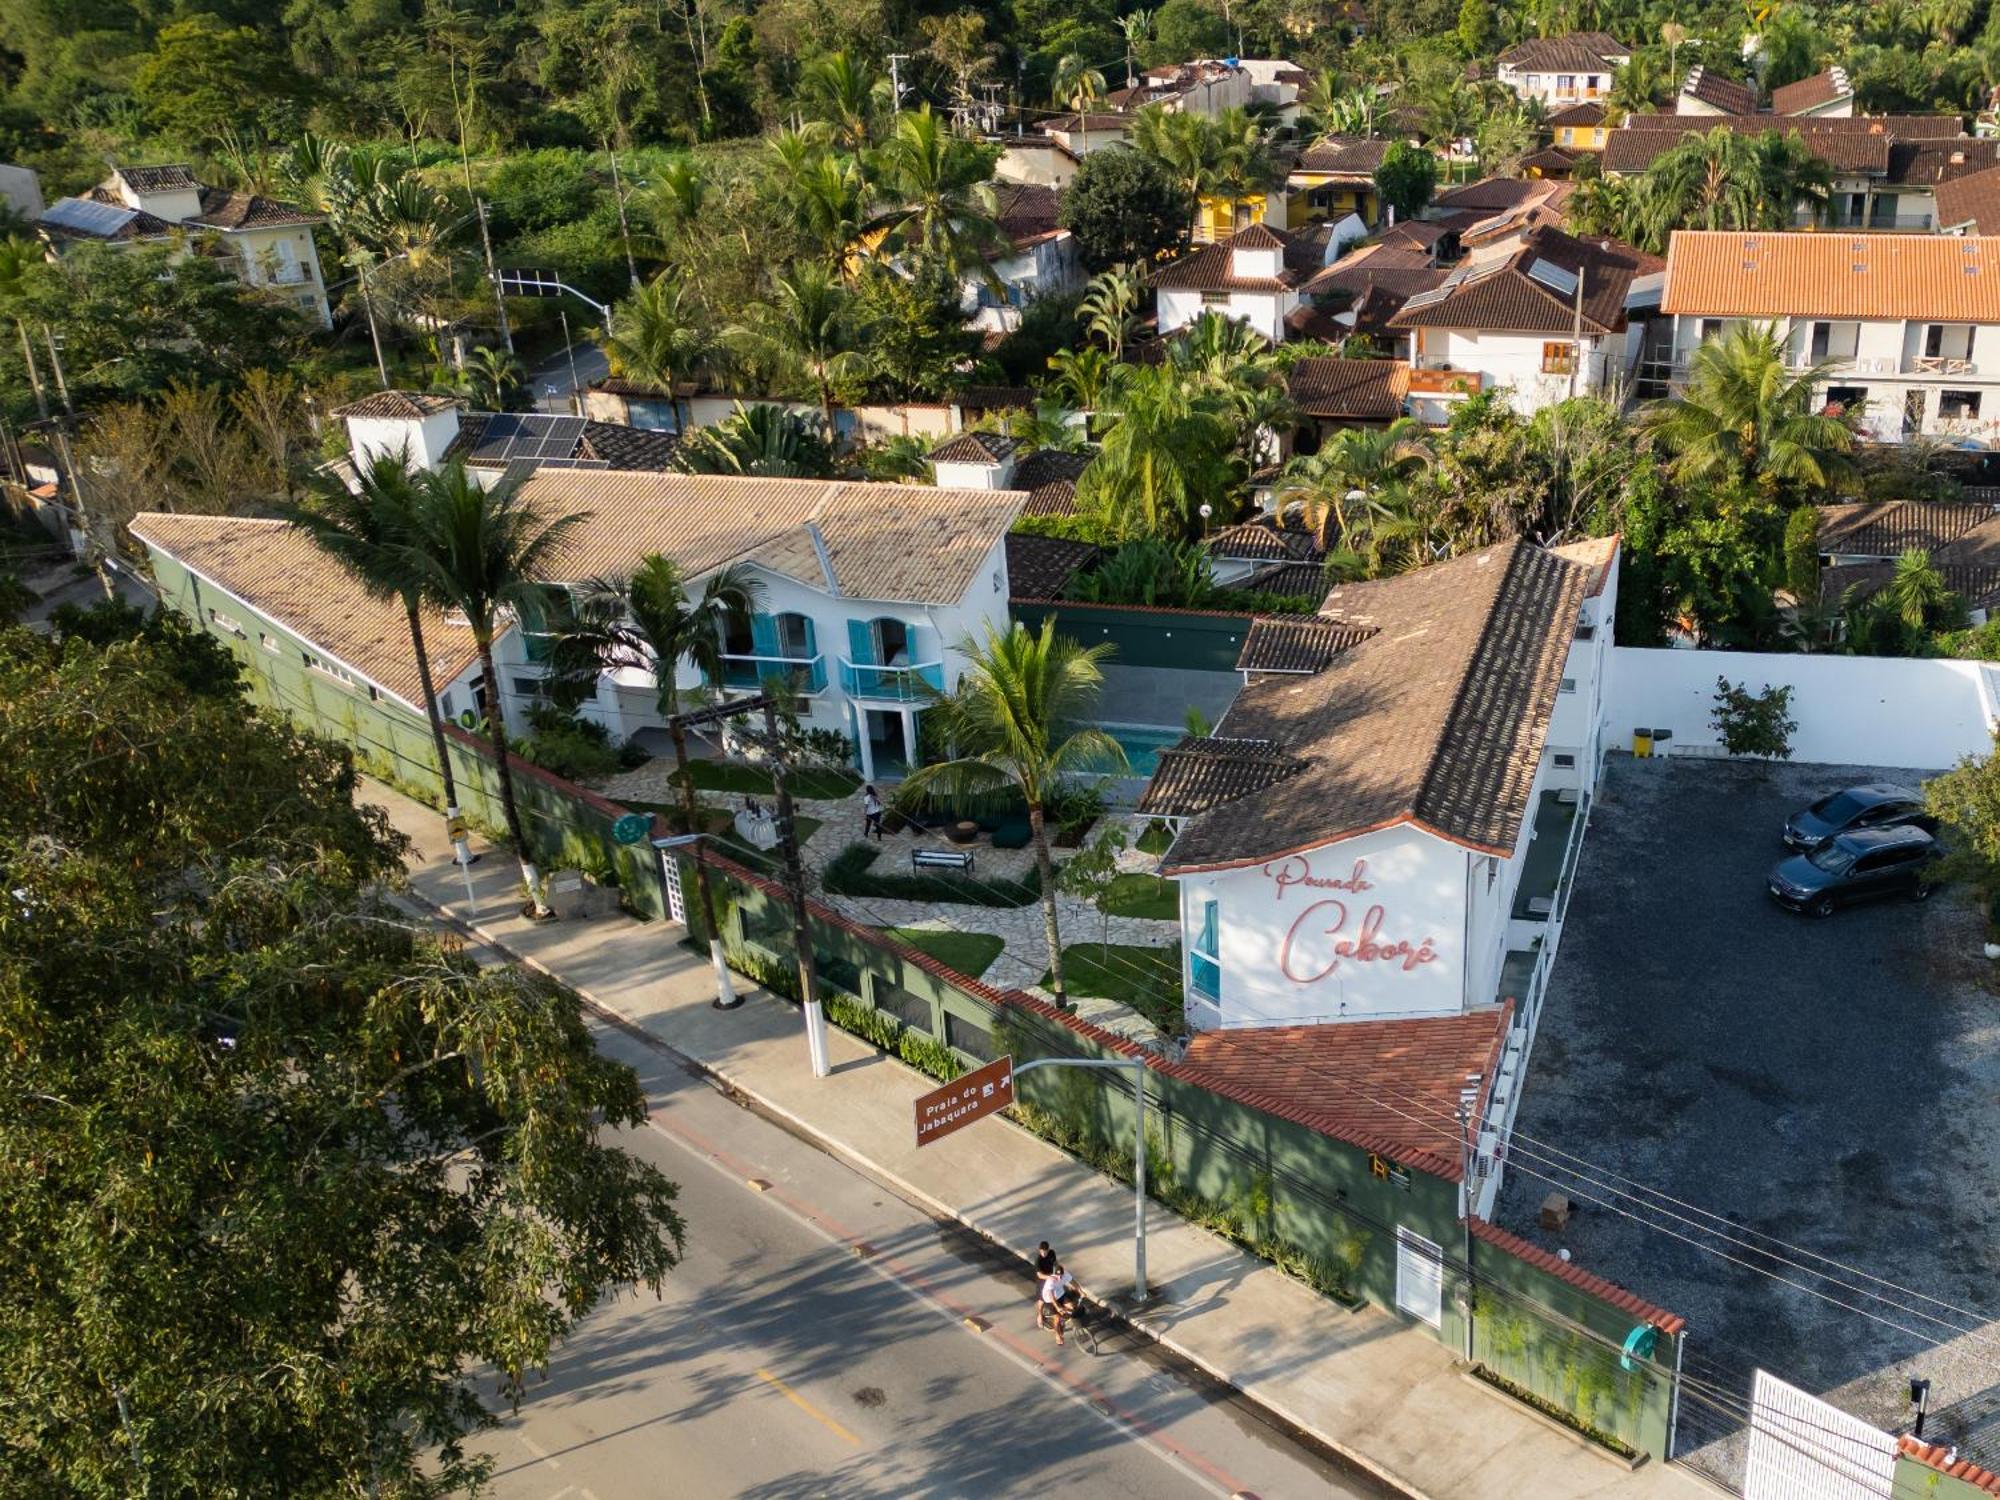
{"x":1051,"y":931}
{"x":691,"y":812}
{"x":461,"y":850}
{"x":496,"y":724}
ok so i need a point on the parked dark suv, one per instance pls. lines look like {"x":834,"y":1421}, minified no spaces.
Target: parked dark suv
{"x":1881,"y":804}
{"x":1861,"y":866}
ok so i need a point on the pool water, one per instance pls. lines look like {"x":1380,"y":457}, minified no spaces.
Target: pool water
{"x":1142,"y":745}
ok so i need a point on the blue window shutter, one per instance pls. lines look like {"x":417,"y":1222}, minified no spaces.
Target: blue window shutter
{"x":812,"y":636}
{"x":860,"y":643}
{"x":763,"y":635}
{"x":920,"y":644}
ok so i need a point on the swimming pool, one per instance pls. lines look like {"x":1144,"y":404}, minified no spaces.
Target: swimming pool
{"x":1142,"y":744}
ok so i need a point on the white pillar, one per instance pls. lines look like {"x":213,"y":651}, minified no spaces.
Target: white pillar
{"x":910,"y":738}
{"x":861,"y":743}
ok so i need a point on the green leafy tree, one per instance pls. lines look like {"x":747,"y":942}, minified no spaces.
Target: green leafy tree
{"x":369,"y":531}
{"x":809,"y":326}
{"x":485,"y":554}
{"x":1090,"y":873}
{"x":1165,"y":451}
{"x":849,"y":96}
{"x":1758,"y":724}
{"x":1747,"y":416}
{"x":284,"y":1168}
{"x":1186,"y":28}
{"x":1109,"y":310}
{"x":207,"y":79}
{"x":651,"y":623}
{"x":1475,"y":27}
{"x":1353,"y":492}
{"x":1124,"y":208}
{"x":1017,"y":723}
{"x":917,"y":338}
{"x":1802,"y":553}
{"x":1406,"y":179}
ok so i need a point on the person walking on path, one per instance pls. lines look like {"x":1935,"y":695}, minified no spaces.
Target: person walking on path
{"x":871,"y":813}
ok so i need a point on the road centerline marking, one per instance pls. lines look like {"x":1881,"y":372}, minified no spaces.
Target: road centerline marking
{"x":807,"y":1407}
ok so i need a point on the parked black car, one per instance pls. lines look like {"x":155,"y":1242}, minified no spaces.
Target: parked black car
{"x":1861,"y":866}
{"x":1881,"y":804}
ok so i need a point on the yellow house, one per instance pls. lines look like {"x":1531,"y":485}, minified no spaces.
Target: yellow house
{"x":1335,"y":177}
{"x":1219,"y":215}
{"x":1581,"y":127}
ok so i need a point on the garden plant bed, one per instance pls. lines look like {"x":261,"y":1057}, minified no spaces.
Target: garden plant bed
{"x":852,"y":873}
{"x":1624,"y":1451}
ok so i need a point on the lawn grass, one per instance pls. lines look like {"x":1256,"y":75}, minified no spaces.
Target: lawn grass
{"x":1147,"y":979}
{"x":734,"y":776}
{"x":1142,"y":896}
{"x":1156,"y":839}
{"x":967,"y":953}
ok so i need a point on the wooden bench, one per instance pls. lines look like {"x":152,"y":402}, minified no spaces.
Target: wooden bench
{"x":941,"y":859}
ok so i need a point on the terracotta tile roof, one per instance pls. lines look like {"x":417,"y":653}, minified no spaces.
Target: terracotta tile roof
{"x":1437,"y":719}
{"x":1976,"y":584}
{"x":1297,"y":580}
{"x":1291,"y":643}
{"x":1946,"y":1462}
{"x":1198,"y":773}
{"x":1532,"y":287}
{"x":901,"y":542}
{"x":404,"y":404}
{"x":1979,"y":547}
{"x":1212,"y":268}
{"x":1356,"y":390}
{"x":1934,"y":163}
{"x":1416,"y":234}
{"x":277,"y":570}
{"x":1811,"y":93}
{"x":1941,"y":278}
{"x":1026,"y":211}
{"x":1267,"y":540}
{"x":1588,"y":113}
{"x":1579,"y":52}
{"x":979,"y":398}
{"x":1725,"y":94}
{"x":974,"y":448}
{"x":1889,"y":528}
{"x":1550,"y":160}
{"x":1491,"y":194}
{"x":1397,"y":271}
{"x":222,"y":209}
{"x":1597,"y":553}
{"x":1397,"y":1079}
{"x":1073,"y":124}
{"x":176,"y":178}
{"x":623,"y":447}
{"x":1040,"y":567}
{"x":1049,"y":476}
{"x":1633,"y":148}
{"x":1970,"y":201}
{"x":1343,"y":156}
{"x":1901,"y":127}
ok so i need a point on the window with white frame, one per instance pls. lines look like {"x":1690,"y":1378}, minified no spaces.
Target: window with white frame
{"x":225,"y":622}
{"x":1204,"y":960}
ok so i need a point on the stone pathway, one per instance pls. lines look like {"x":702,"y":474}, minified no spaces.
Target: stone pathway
{"x":1024,"y":959}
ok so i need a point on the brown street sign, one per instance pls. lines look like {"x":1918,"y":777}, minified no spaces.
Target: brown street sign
{"x":980,"y":1093}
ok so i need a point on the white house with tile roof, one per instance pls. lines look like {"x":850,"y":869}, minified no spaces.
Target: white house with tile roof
{"x":868,"y":590}
{"x":1562,"y":69}
{"x":1040,"y":260}
{"x":1253,"y":276}
{"x":272,"y":241}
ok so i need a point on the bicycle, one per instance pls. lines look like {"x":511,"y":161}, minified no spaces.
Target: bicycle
{"x":1073,"y":1318}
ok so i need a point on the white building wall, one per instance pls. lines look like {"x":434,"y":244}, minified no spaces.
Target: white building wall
{"x":422,"y":441}
{"x":1513,"y":362}
{"x":1851,"y":710}
{"x":1279,"y":938}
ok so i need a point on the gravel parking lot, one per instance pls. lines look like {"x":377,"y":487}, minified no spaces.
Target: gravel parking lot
{"x":1831,"y":1083}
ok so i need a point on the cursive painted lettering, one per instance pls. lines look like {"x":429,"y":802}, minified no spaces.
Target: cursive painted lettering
{"x":1329,"y":919}
{"x":1297,"y":870}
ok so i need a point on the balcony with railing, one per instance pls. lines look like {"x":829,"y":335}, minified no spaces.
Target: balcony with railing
{"x":912,"y":682}
{"x":806,"y":673}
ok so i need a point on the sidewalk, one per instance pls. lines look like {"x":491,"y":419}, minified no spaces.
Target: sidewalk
{"x":1387,"y":1397}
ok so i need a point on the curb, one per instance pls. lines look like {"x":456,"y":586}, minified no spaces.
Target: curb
{"x":934,"y":1205}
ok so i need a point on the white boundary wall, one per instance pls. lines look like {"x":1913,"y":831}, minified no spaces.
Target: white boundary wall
{"x":1851,"y":710}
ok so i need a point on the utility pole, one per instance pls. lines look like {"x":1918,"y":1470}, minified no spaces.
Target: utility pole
{"x":624,"y":227}
{"x":569,"y":349}
{"x":896,"y":61}
{"x":1576,"y":335}
{"x":795,"y":887}
{"x":34,"y":375}
{"x":493,"y":276}
{"x":55,"y":364}
{"x":1465,"y":1218}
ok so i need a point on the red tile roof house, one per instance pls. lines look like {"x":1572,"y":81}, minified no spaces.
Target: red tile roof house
{"x":1040,"y":258}
{"x":1374,"y":832}
{"x":1562,"y":69}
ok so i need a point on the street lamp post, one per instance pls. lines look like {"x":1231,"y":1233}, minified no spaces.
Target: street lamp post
{"x":1138,"y":1068}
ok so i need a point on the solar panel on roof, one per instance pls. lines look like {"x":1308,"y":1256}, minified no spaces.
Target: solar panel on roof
{"x":507,"y":438}
{"x":86,"y":217}
{"x":1551,"y":275}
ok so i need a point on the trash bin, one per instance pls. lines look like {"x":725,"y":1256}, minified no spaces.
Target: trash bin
{"x":1660,"y":738}
{"x":1642,"y":743}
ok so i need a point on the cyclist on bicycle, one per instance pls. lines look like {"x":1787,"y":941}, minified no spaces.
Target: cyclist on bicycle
{"x":1058,"y":1297}
{"x":1045,"y":1267}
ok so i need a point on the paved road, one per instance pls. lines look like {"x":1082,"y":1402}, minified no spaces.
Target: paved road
{"x":783,"y":1364}
{"x":552,"y":380}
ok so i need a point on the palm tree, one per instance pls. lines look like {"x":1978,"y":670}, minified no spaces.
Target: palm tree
{"x":808,"y":326}
{"x":828,"y":197}
{"x":368,"y":531}
{"x":487,"y":555}
{"x":661,"y":340}
{"x":1079,"y":85}
{"x":1350,"y":489}
{"x":1917,"y":590}
{"x":1747,"y":415}
{"x":762,"y":441}
{"x":1013,"y":722}
{"x":1634,"y":87}
{"x":1082,"y":376}
{"x":1110,"y":306}
{"x":1790,"y":177}
{"x":650,"y":623}
{"x":941,"y":204}
{"x":1709,"y":181}
{"x":492,"y":377}
{"x":1137,"y":26}
{"x":1184,"y":145}
{"x":1165,"y":452}
{"x":841,"y":90}
{"x":1047,"y":424}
